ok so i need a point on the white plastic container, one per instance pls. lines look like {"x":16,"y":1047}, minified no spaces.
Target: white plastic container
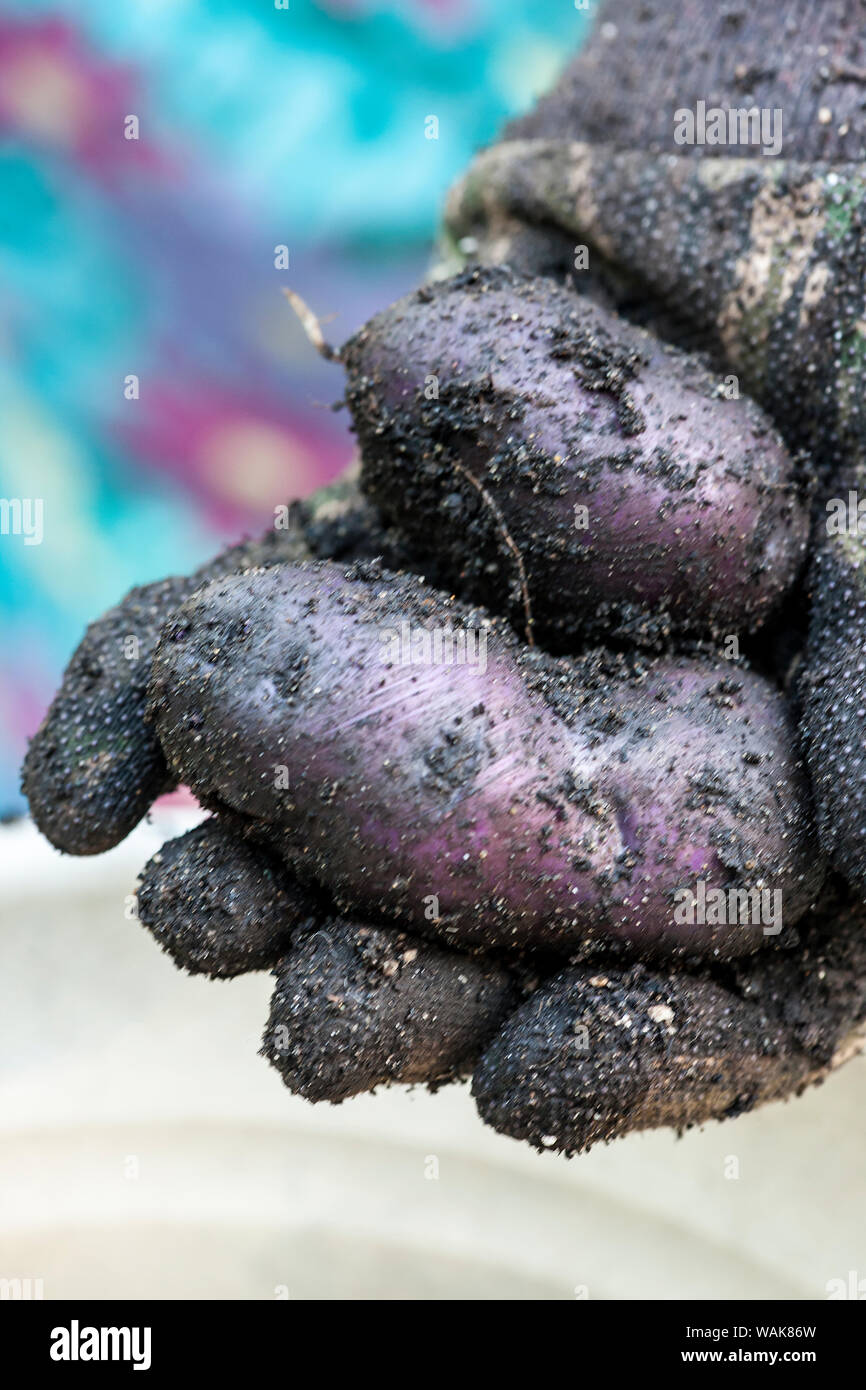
{"x":147,"y":1151}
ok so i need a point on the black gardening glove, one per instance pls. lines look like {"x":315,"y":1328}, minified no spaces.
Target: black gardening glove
{"x":571,"y":850}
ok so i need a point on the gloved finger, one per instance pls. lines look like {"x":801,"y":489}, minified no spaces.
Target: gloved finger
{"x":832,"y":687}
{"x":357,"y":1006}
{"x":95,"y":766}
{"x":596,"y":1054}
{"x":219,"y":905}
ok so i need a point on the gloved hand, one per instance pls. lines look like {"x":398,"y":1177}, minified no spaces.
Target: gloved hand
{"x":479,"y":843}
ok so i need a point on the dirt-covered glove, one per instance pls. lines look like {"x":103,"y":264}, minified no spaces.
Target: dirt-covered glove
{"x":479,"y":843}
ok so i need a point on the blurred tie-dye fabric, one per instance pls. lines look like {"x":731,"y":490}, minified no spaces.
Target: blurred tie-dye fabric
{"x":260,"y":125}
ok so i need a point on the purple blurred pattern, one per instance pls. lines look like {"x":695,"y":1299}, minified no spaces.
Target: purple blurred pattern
{"x":167,"y":169}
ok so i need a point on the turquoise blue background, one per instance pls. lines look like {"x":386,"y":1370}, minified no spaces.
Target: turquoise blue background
{"x":258,"y":127}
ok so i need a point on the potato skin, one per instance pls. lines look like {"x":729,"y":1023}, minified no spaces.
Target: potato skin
{"x":532,"y":803}
{"x":692,"y":511}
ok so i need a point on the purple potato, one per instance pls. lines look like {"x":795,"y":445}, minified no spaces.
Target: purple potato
{"x":509,"y":801}
{"x":501,"y":414}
